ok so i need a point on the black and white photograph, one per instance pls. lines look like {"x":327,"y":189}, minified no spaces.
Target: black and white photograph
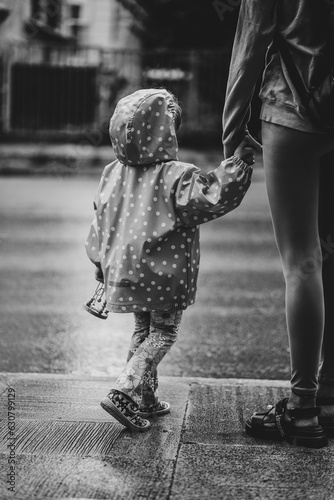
{"x":166,"y":249}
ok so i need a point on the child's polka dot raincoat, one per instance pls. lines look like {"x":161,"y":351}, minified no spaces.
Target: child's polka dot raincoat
{"x":145,"y":234}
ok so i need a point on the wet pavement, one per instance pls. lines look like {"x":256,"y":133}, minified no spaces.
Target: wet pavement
{"x":66,"y":446}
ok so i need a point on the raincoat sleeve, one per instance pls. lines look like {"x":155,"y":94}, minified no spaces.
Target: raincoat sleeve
{"x":254,"y":33}
{"x":201,"y":198}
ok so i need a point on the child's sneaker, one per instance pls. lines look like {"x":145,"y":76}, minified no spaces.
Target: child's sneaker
{"x":120,"y":406}
{"x":155,"y":411}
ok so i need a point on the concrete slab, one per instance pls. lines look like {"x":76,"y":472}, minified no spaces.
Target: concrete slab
{"x":217,"y":460}
{"x":66,"y":447}
{"x":217,"y":412}
{"x":277,"y":472}
{"x":62,"y":438}
{"x":118,"y":477}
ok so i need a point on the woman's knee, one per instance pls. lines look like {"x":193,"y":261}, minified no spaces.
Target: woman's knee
{"x":302,"y":262}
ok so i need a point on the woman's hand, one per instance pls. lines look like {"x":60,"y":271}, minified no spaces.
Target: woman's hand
{"x":247,"y":148}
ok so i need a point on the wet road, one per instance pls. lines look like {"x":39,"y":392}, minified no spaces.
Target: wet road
{"x":235,"y":327}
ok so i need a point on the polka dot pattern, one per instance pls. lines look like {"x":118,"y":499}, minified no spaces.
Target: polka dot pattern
{"x":145,"y":232}
{"x":205,"y":198}
{"x":142,"y":128}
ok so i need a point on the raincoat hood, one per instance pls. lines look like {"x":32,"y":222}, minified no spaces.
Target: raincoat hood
{"x":142,"y":129}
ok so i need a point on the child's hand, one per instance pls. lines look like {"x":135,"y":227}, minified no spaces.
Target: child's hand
{"x":247,"y":148}
{"x":98,"y":273}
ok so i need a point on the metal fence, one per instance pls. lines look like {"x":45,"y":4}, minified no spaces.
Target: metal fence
{"x":52,"y":90}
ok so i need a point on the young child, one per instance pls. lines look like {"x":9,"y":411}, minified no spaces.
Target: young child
{"x":144,"y":239}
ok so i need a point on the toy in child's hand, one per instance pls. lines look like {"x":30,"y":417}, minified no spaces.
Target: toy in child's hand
{"x":97,"y":305}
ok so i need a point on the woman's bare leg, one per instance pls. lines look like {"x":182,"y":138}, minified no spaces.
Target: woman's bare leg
{"x":291,"y":160}
{"x":326,"y":227}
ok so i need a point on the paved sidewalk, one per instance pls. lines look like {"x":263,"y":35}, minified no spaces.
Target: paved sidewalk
{"x":66,"y":446}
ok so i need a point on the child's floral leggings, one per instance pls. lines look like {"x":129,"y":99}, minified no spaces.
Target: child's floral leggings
{"x":155,"y":333}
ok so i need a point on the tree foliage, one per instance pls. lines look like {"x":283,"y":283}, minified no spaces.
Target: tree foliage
{"x":183,"y":23}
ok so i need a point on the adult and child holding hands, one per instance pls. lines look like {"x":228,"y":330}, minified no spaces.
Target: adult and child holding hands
{"x":144,"y":239}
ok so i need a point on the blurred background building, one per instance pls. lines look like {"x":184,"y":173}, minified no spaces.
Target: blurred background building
{"x":65,"y":63}
{"x":102,"y":23}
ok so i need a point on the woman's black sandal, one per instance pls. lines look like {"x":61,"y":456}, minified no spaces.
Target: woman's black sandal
{"x":271,"y":425}
{"x":326,"y":422}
